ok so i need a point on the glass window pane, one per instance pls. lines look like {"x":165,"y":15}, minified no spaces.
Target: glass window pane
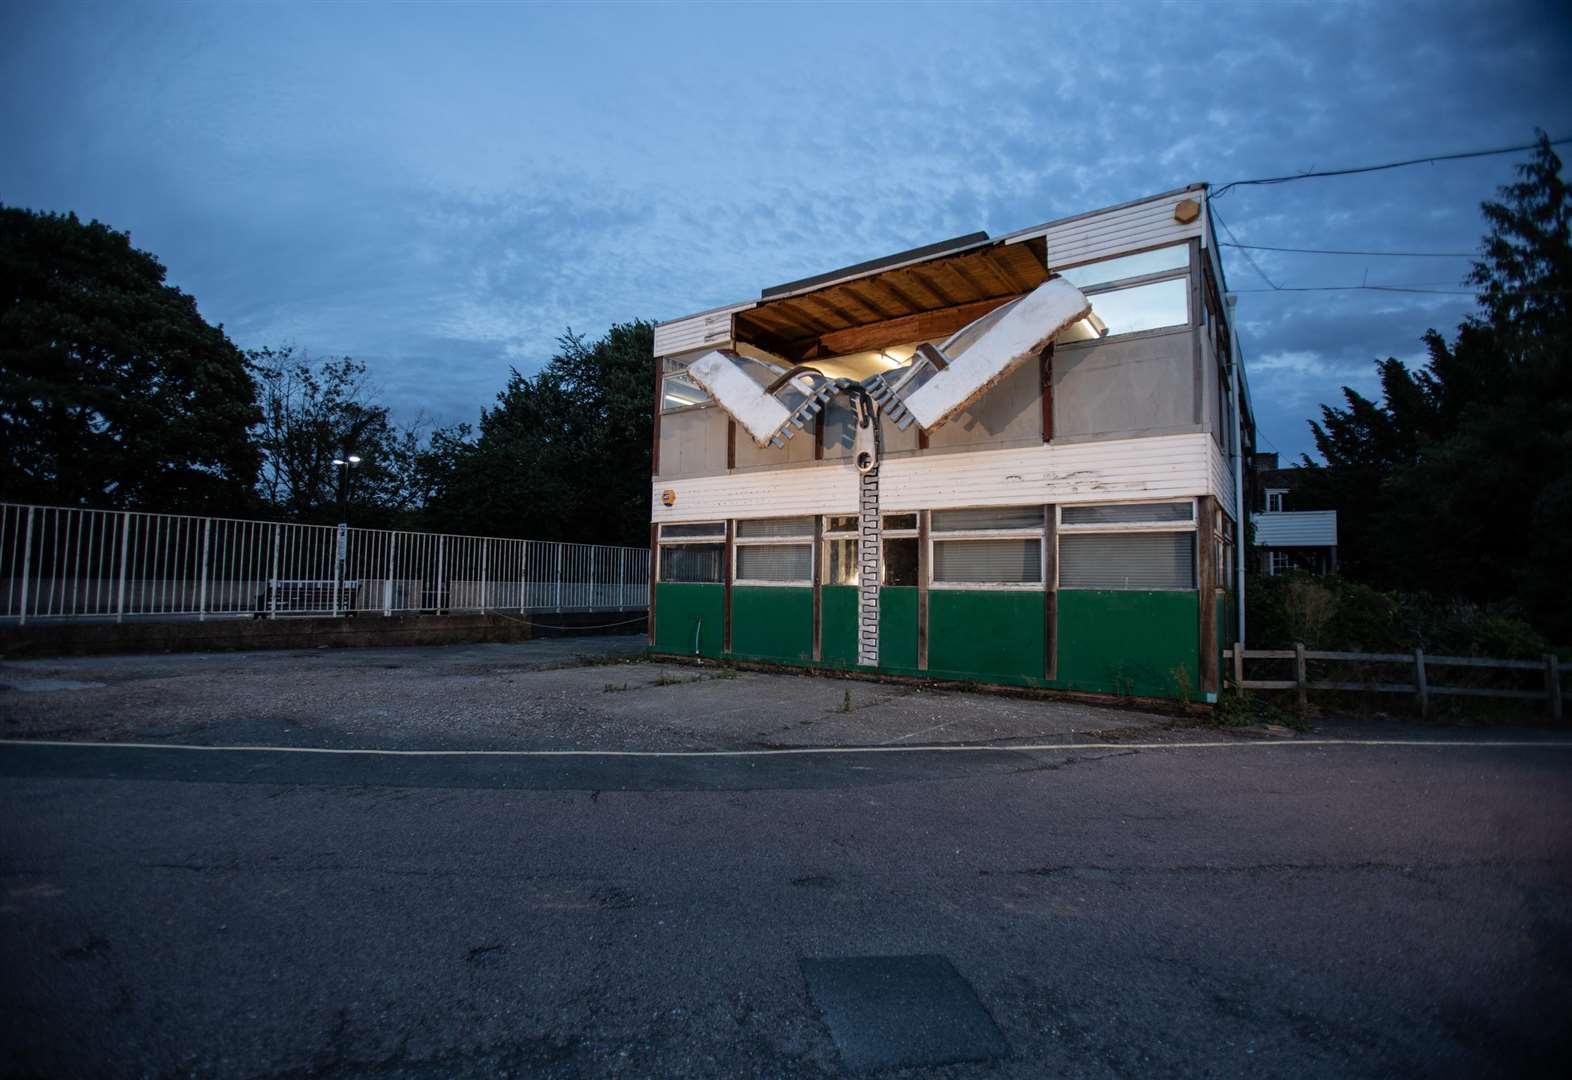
{"x":900,"y":521}
{"x":1127,"y":561}
{"x":1004,"y":517}
{"x":775,"y":562}
{"x":1003,"y":561}
{"x":1125,"y":513}
{"x":704,"y":528}
{"x":1128,"y":266}
{"x":792,"y":526}
{"x":840,"y":562}
{"x":900,"y":562}
{"x":679,"y":391}
{"x":1144,"y":307}
{"x":693,"y":562}
{"x":842,"y":523}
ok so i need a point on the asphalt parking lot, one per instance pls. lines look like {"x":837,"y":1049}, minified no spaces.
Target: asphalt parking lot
{"x":497,"y":860}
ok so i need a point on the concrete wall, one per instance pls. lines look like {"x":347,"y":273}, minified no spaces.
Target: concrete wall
{"x":1119,"y":389}
{"x":218,"y":635}
{"x":693,"y":442}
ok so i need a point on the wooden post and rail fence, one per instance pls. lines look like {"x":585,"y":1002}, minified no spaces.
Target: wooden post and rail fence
{"x":1417,"y":663}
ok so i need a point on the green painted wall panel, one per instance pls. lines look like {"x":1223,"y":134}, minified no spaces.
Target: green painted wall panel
{"x":1114,"y":642}
{"x":680,"y":609}
{"x":898,"y":628}
{"x":986,"y":636}
{"x":769,"y":623}
{"x":838,"y":630}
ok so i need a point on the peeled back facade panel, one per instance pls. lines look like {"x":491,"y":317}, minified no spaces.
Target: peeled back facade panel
{"x":1127,"y":561}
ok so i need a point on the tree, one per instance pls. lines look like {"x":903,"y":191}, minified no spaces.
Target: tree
{"x":114,"y":391}
{"x":313,"y":412}
{"x":563,"y":455}
{"x":1459,"y":482}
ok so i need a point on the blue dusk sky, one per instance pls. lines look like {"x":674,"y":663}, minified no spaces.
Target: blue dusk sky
{"x":440,"y":190}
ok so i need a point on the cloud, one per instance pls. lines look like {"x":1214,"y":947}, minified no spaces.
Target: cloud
{"x":442,"y":191}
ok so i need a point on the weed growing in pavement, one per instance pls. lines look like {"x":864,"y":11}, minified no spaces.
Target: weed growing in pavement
{"x":613,"y":688}
{"x":725,"y":671}
{"x":1238,"y":708}
{"x":664,"y":679}
{"x":1181,"y":677}
{"x":846,"y":705}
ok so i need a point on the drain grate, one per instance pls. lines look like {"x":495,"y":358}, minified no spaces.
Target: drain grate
{"x":890,"y":1011}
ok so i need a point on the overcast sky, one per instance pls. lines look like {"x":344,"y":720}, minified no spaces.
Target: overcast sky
{"x":441,"y":190}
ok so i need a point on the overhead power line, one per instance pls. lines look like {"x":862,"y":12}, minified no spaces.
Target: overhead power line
{"x":1431,"y":159}
{"x":1242,"y":249}
{"x":1357,"y":288}
{"x":1352,"y":251}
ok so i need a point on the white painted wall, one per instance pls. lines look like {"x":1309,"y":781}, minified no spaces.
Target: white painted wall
{"x":1160,"y":467}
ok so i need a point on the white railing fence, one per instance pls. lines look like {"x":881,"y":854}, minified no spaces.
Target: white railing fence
{"x":64,"y":563}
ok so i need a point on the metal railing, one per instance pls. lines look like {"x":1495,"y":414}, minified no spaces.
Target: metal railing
{"x":1549,"y":671}
{"x":64,"y":563}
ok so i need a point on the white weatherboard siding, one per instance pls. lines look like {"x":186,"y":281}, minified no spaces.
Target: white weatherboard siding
{"x":1160,"y":467}
{"x":1222,"y":480}
{"x":1296,"y":528}
{"x":1115,"y":232}
{"x":709,"y":330}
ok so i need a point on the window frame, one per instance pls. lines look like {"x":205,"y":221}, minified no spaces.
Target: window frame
{"x":1183,"y":272}
{"x":738,"y":542}
{"x":1134,"y":527}
{"x":662,"y":541}
{"x":1020,"y":532}
{"x":1277,"y":494}
{"x":829,"y":536}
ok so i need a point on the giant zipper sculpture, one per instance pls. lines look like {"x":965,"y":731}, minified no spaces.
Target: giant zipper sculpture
{"x":933,"y":387}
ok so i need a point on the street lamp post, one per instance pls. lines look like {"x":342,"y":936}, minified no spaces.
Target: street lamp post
{"x":345,"y":465}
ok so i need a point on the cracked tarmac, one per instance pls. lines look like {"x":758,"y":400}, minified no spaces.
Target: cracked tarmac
{"x":1285,"y":909}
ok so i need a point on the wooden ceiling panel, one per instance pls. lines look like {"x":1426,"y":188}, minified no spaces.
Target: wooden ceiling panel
{"x":814,"y":322}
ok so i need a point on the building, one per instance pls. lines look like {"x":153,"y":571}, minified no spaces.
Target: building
{"x":1007,"y":460}
{"x":1287,"y":539}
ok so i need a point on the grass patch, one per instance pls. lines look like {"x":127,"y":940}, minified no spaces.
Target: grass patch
{"x":613,"y":688}
{"x":846,"y":705}
{"x":663,"y":679}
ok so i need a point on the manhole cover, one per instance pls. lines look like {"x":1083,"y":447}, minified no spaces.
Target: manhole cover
{"x":888,"y":1011}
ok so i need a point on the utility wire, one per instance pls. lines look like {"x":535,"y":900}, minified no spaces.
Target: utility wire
{"x":1315,"y":173}
{"x":1350,"y":251}
{"x":1242,"y":250}
{"x":1358,"y":288}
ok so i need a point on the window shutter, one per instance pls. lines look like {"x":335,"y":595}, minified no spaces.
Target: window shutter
{"x":1127,"y":561}
{"x":1004,"y":561}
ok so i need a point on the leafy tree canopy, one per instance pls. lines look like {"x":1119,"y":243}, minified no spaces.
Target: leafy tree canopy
{"x":114,"y":391}
{"x":1458,"y":482}
{"x":562,"y":455}
{"x":316,"y":412}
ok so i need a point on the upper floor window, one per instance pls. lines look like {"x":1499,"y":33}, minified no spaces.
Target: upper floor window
{"x":677,"y":389}
{"x":1274,"y":499}
{"x":1149,"y":290}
